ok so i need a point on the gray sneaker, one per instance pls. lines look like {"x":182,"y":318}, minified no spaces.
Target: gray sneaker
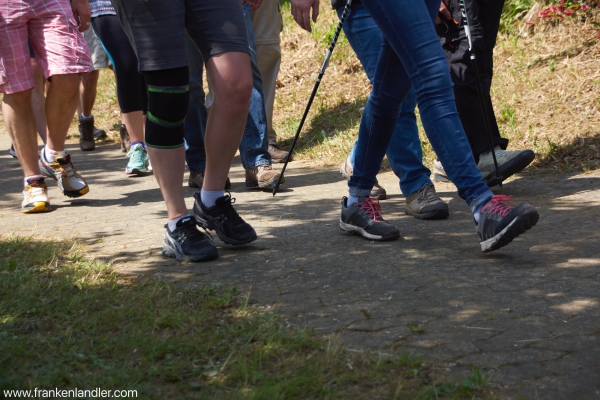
{"x":377,"y":192}
{"x":509,"y":163}
{"x":366,"y":220}
{"x":426,"y":204}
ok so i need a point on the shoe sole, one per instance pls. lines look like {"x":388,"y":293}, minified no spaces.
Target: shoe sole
{"x":171,"y":253}
{"x":137,"y":171}
{"x":360,"y":231}
{"x":437,"y":214}
{"x":519,"y":225}
{"x":512,"y":167}
{"x":37,"y":207}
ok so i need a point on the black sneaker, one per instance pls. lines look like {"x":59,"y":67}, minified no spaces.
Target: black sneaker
{"x":365,"y":219}
{"x":499,"y":223}
{"x":187,"y":243}
{"x":223,"y":219}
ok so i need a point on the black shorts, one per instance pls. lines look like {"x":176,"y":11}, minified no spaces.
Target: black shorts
{"x":156,"y":29}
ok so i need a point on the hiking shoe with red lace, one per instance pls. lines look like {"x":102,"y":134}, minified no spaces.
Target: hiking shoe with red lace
{"x":500,"y":223}
{"x":365,"y":218}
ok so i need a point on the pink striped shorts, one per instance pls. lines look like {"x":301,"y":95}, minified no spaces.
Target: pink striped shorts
{"x":58,"y":45}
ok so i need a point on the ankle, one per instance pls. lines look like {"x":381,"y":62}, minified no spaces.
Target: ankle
{"x":53,"y":155}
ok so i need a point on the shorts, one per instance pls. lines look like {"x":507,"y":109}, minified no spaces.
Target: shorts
{"x":59,"y":46}
{"x":156,"y":29}
{"x":99,"y":58}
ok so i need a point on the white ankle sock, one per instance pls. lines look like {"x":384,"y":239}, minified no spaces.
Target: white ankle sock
{"x":83,"y":117}
{"x":53,"y":155}
{"x":173,"y":223}
{"x":30,"y":177}
{"x":209,"y":197}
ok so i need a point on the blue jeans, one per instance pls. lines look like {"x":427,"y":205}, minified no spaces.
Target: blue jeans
{"x":404,"y":152}
{"x":411,"y":55}
{"x":255,"y":142}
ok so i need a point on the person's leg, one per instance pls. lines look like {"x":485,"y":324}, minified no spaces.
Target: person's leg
{"x":405,"y":153}
{"x":20,"y":124}
{"x":254,"y":147}
{"x":267,"y":25}
{"x":88,"y":90}
{"x":131,"y":87}
{"x":195,"y":122}
{"x":38,"y":100}
{"x":484,"y":19}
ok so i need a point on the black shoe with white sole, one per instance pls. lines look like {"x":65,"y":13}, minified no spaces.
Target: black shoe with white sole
{"x":223,"y":219}
{"x":187,"y":243}
{"x":365,"y":219}
{"x":499,"y":223}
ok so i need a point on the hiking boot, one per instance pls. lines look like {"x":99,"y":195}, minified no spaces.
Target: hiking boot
{"x":277,"y":155}
{"x":35,"y":196}
{"x":262,"y":177}
{"x":196,"y":179}
{"x":426,"y":204}
{"x":12,"y":151}
{"x":377,"y":192}
{"x":125,"y":140}
{"x":138,"y":161}
{"x":63,"y":171}
{"x":187,"y":243}
{"x":366,"y":219}
{"x":499,"y":223}
{"x":223,"y":219}
{"x":86,"y":134}
{"x":509,"y":163}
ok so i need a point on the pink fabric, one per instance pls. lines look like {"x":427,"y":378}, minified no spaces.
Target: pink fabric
{"x":58,"y":45}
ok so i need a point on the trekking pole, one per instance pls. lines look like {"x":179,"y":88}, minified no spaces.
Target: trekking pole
{"x":497,"y":179}
{"x":314,"y":91}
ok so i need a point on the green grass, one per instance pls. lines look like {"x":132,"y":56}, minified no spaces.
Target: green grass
{"x":69,"y":321}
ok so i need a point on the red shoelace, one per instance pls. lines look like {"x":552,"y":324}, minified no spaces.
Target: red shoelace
{"x":372,"y":209}
{"x":495,"y":206}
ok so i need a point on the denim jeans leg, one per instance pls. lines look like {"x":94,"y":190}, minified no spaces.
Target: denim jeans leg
{"x":254,"y":147}
{"x":195,"y":121}
{"x":412,"y":50}
{"x":404,"y":152}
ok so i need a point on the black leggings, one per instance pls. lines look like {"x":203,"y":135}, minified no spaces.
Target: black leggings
{"x":131,"y":86}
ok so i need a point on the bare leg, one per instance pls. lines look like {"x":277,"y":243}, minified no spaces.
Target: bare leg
{"x":232,"y":87}
{"x":20,"y":123}
{"x":61,"y":102}
{"x":87,"y":93}
{"x":134,"y":121}
{"x":38,"y":100}
{"x":169,"y":167}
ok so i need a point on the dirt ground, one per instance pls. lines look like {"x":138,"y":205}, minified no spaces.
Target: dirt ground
{"x":528,"y":315}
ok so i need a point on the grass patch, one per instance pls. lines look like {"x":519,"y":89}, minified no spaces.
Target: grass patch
{"x":69,"y":321}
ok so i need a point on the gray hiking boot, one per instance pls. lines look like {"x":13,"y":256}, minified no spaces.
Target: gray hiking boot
{"x":377,"y":192}
{"x":426,"y":204}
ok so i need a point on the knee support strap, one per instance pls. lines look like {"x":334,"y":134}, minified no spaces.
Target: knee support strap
{"x":168,"y":99}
